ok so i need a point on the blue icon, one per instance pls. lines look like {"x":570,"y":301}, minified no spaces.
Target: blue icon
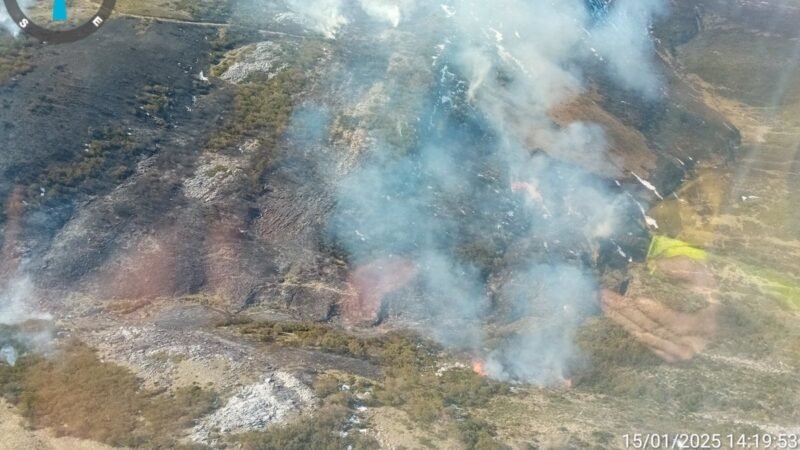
{"x":59,"y":10}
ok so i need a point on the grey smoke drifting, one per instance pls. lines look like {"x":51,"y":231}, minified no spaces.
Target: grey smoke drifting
{"x":623,"y":38}
{"x":17,"y":292}
{"x":329,"y":16}
{"x":14,"y":302}
{"x":324,"y":16}
{"x":557,"y":297}
{"x":498,"y":233}
{"x":8,"y":354}
{"x":6,"y":23}
{"x":15,"y":311}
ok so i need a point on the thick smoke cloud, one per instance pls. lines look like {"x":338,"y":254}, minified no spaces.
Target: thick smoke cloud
{"x":544,"y":351}
{"x":495,"y":231}
{"x":472,"y":178}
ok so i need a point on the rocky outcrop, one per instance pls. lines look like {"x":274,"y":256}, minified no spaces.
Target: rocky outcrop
{"x":255,"y":407}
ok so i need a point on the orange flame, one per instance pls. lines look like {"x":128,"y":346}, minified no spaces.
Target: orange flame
{"x":479,"y":367}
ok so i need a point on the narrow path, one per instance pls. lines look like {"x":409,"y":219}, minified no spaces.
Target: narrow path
{"x":204,"y":24}
{"x":172,"y":20}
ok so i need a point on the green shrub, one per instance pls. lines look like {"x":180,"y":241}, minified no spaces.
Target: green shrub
{"x":306,"y":334}
{"x":262,"y":108}
{"x":478,"y":434}
{"x":218,"y":10}
{"x":12,"y":378}
{"x":157,"y":101}
{"x":107,"y":160}
{"x":410,"y":381}
{"x":15,"y":57}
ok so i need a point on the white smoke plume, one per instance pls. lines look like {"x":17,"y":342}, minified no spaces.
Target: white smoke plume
{"x":6,"y":23}
{"x":489,"y":166}
{"x":15,"y":303}
{"x":8,"y":354}
{"x":389,"y":11}
{"x":624,"y":39}
{"x":499,"y":69}
{"x":329,"y":16}
{"x":384,"y":11}
{"x":17,"y":292}
{"x":16,"y":310}
{"x":323,"y":16}
{"x":543,"y":352}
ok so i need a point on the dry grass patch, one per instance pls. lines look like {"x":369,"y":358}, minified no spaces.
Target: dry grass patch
{"x":76,"y":394}
{"x":15,"y":57}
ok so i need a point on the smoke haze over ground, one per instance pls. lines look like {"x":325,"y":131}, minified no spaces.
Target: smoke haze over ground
{"x":15,"y":311}
{"x":463,"y":186}
{"x":470,"y":175}
{"x":623,"y":38}
{"x":16,"y":290}
{"x":5,"y":21}
{"x":332,"y":190}
{"x":15,"y":308}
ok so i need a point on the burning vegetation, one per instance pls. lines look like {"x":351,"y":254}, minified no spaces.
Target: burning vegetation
{"x":469,"y":176}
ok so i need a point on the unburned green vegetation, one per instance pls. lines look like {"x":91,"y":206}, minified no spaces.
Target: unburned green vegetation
{"x":216,"y":10}
{"x":306,"y":334}
{"x":75,"y":393}
{"x":413,"y":380}
{"x":609,"y":348}
{"x":156,"y":102}
{"x":263,"y":106}
{"x":106,"y":160}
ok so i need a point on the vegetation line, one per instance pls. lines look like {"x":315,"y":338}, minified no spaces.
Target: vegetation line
{"x":207,"y":24}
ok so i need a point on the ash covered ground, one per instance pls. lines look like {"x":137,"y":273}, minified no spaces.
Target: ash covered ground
{"x":381,"y":224}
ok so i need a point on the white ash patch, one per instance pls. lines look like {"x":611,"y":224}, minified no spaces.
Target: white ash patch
{"x":157,"y":354}
{"x":261,"y":58}
{"x":257,"y":406}
{"x":217,"y":171}
{"x":448,"y":367}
